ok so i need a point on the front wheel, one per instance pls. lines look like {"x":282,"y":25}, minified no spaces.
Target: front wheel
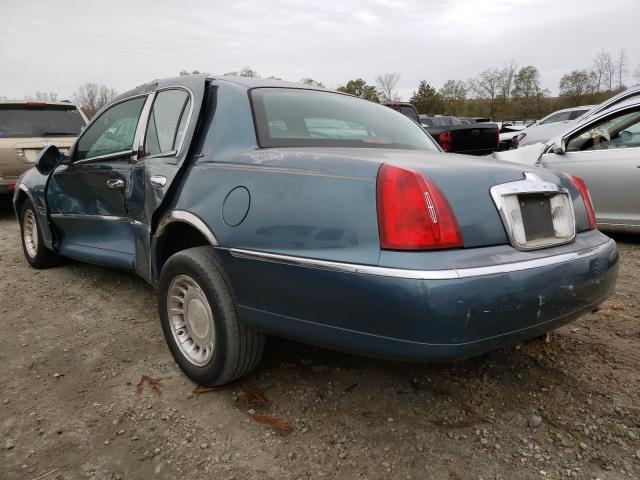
{"x":36,"y":253}
{"x":200,"y":323}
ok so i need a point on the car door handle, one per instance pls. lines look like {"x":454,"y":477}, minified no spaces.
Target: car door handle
{"x":157,"y":181}
{"x":115,"y":183}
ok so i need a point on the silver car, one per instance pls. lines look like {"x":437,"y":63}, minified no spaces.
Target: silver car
{"x":547,"y":131}
{"x":603,"y":150}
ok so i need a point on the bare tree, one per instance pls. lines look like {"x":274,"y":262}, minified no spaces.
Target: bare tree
{"x":605,"y":69}
{"x":388,"y":83}
{"x":245,"y":72}
{"x":91,"y":97}
{"x":47,"y":96}
{"x":636,"y":74}
{"x":486,"y":86}
{"x":621,"y":67}
{"x":507,"y":73}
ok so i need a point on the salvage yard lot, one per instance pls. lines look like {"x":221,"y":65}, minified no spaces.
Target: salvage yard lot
{"x":75,"y":341}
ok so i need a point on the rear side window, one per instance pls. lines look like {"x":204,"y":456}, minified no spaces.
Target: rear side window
{"x":577,"y":113}
{"x":287,"y":117}
{"x":558,"y":117}
{"x":167,"y":122}
{"x":29,"y":121}
{"x":112,"y":132}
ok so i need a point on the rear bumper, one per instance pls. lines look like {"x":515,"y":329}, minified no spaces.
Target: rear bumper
{"x":420,"y":314}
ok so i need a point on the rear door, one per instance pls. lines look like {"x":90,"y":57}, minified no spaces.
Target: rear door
{"x":606,"y":155}
{"x":169,"y":127}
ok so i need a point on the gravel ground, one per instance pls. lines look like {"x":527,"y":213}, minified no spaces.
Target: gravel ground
{"x":75,"y":341}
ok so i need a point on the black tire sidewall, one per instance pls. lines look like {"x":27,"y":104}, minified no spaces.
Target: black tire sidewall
{"x":212,"y":283}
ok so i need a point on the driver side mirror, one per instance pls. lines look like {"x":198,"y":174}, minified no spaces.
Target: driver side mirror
{"x":560,"y":150}
{"x":48,"y":159}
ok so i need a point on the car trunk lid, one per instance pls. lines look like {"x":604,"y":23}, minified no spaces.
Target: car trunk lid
{"x":465,"y":181}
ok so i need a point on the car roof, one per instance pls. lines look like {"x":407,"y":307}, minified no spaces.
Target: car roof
{"x":572,"y":109}
{"x":626,"y":95}
{"x":191,"y":79}
{"x":38,"y":102}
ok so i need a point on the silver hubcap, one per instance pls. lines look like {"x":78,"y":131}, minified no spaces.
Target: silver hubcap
{"x":30,"y":233}
{"x":191,"y":320}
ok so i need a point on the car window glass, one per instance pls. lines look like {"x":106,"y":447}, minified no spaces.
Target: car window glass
{"x":113,"y":131}
{"x":167,"y":122}
{"x":619,"y":131}
{"x":558,"y":117}
{"x":577,"y":113}
{"x":334,"y":128}
{"x":32,"y":120}
{"x":287,"y":117}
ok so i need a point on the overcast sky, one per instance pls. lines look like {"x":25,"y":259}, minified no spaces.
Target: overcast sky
{"x":58,"y":45}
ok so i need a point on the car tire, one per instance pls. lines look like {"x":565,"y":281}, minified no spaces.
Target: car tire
{"x":35,"y":251}
{"x":200,"y":322}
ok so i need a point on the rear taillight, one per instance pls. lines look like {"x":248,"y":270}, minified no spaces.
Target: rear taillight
{"x":413,"y":214}
{"x":444,"y":140}
{"x":36,"y":104}
{"x":586,"y":198}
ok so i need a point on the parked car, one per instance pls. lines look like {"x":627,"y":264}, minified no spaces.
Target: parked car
{"x":456,"y":136}
{"x":510,"y":139}
{"x":548,"y":131}
{"x":605,"y":152}
{"x":26,"y":127}
{"x":258,"y":206}
{"x":453,"y":135}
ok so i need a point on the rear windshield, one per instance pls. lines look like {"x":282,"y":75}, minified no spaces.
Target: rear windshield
{"x":23,"y":121}
{"x":288,"y":117}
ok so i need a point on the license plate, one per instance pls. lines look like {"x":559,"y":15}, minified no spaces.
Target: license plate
{"x":536,"y":216}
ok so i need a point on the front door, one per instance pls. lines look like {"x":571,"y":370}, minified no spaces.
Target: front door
{"x":606,"y":155}
{"x":87,"y":197}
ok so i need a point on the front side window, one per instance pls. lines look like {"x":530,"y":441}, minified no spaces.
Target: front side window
{"x":287,"y":117}
{"x":113,"y":131}
{"x":619,"y":131}
{"x":167,"y":122}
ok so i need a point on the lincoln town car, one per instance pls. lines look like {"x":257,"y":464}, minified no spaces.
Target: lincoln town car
{"x":259,"y":207}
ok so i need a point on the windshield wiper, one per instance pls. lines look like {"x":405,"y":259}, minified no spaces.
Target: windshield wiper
{"x":69,"y":134}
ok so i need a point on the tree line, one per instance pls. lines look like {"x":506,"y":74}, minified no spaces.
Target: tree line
{"x":89,"y":97}
{"x":508,"y":92}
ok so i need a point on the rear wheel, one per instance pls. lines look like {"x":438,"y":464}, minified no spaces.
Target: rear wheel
{"x":199,"y":320}
{"x":36,"y":253}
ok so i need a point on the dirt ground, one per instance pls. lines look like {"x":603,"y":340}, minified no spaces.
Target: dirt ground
{"x":75,"y":341}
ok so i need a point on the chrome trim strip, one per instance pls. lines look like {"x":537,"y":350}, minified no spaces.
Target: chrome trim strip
{"x":191,"y":219}
{"x":451,"y":274}
{"x":107,"y":156}
{"x":82,"y":216}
